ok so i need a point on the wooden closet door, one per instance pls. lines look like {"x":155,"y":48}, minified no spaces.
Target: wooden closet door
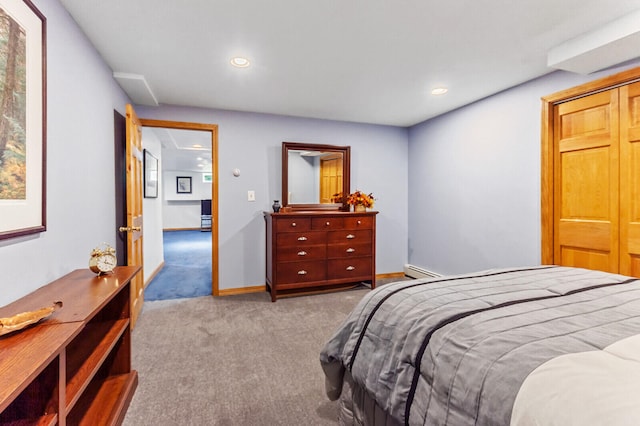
{"x":586,"y":172}
{"x":630,"y":180}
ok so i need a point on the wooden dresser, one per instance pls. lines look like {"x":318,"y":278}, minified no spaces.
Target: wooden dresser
{"x":73,"y":367}
{"x":319,"y":250}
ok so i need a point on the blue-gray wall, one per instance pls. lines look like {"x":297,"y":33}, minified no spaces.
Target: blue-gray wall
{"x":474,"y":181}
{"x":253,"y":143}
{"x":81,"y":98}
{"x":304,"y":179}
{"x":466,"y":185}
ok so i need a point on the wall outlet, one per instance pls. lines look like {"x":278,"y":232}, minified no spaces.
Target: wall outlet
{"x":251,"y":195}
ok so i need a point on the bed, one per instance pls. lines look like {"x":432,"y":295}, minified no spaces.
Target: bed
{"x":543,"y":345}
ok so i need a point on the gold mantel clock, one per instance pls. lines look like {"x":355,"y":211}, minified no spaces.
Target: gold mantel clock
{"x":103,"y":259}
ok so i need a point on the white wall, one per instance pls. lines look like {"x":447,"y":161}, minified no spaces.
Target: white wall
{"x":152,"y":244}
{"x":200,"y":190}
{"x":252,"y":143}
{"x":182,"y":211}
{"x":474,"y":181}
{"x":81,"y":97}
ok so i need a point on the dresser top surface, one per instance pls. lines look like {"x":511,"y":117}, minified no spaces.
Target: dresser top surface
{"x":320,"y":213}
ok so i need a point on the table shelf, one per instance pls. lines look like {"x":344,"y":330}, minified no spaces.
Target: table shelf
{"x":73,"y":367}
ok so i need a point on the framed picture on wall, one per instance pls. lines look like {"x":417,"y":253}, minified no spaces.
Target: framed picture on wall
{"x":23,"y":119}
{"x":150,"y":175}
{"x":183,"y":184}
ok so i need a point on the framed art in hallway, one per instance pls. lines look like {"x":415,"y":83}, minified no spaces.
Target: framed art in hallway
{"x":183,"y":184}
{"x":150,"y":175}
{"x":22,"y":119}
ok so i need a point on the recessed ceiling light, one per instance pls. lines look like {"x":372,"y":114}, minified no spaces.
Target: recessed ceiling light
{"x":439,"y":91}
{"x":240,"y":62}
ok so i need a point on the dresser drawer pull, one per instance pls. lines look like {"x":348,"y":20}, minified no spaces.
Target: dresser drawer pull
{"x":302,"y":238}
{"x":293,"y":224}
{"x":302,"y":272}
{"x":328,"y":223}
{"x":350,"y":250}
{"x":359,"y":222}
{"x":351,"y":268}
{"x":302,"y":253}
{"x":350,"y":237}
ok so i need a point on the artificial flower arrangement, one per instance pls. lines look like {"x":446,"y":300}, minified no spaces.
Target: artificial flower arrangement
{"x":359,"y":198}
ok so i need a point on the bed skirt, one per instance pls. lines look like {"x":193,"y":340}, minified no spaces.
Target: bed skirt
{"x":356,"y":407}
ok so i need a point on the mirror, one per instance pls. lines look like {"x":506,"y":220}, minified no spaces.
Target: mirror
{"x":312,"y":174}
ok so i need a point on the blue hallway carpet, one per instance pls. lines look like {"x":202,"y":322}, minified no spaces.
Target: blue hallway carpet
{"x":187,"y":267}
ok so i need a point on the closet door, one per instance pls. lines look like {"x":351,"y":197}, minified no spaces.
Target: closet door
{"x":630,"y":180}
{"x":586,"y":172}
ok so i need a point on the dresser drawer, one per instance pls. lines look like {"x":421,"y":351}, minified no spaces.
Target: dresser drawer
{"x":292,"y":253}
{"x":340,"y":251}
{"x":327,"y":223}
{"x":359,"y":222}
{"x":357,"y":267}
{"x":349,"y":236}
{"x":293,"y":224}
{"x":301,"y":239}
{"x":298,"y":272}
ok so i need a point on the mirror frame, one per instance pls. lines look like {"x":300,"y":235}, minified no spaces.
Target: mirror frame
{"x":346,"y":173}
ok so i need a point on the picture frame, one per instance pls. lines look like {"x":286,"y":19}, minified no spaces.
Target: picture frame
{"x":150,"y":175}
{"x":183,"y":184}
{"x":23,"y":192}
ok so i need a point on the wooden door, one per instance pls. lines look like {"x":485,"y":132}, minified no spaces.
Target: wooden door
{"x":330,"y":177}
{"x":120,"y":177}
{"x":134,"y":209}
{"x":630,"y":180}
{"x":586,"y":173}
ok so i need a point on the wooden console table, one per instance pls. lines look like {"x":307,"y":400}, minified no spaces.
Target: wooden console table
{"x":73,"y":367}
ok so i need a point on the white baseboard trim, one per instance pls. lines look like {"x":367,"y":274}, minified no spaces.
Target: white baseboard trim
{"x":418,"y":272}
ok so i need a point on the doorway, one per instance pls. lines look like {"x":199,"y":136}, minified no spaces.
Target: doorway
{"x":212,"y":129}
{"x":120,"y":177}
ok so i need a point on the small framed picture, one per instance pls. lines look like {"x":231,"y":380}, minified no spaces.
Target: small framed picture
{"x":183,"y":184}
{"x":150,"y":175}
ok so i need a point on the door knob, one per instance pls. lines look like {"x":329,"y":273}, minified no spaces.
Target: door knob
{"x":129,"y":228}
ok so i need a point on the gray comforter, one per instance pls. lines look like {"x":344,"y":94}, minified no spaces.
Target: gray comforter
{"x":455,"y":350}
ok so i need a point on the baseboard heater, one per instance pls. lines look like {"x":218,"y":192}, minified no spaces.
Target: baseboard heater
{"x":417,"y":272}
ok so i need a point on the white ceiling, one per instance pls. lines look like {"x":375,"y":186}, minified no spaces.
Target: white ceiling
{"x":369,"y":61}
{"x":372,"y":61}
{"x":184,"y":150}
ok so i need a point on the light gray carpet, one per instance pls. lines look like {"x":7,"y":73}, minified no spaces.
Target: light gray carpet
{"x":235,"y":360}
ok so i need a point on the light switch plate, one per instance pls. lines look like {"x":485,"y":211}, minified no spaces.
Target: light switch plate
{"x":251,"y":195}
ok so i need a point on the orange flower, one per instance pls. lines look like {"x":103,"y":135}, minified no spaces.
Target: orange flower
{"x":360,"y":198}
